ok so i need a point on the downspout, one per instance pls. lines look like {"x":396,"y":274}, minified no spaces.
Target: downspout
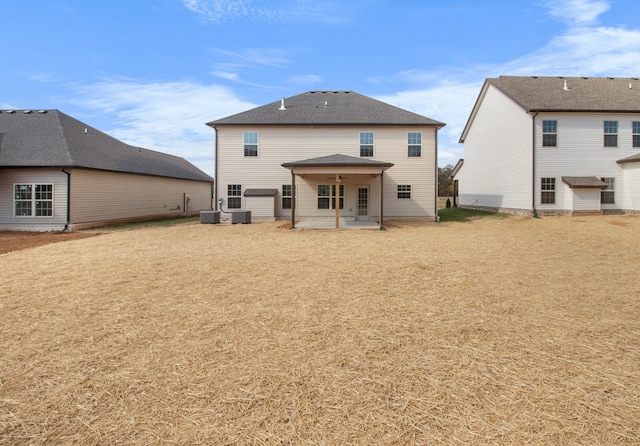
{"x":66,"y":225}
{"x":435,"y":203}
{"x":382,"y":198}
{"x":293,"y":199}
{"x":215,"y":171}
{"x":533,"y":167}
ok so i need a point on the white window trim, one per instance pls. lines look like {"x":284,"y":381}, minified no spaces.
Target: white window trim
{"x":234,"y":196}
{"x":373,"y":146}
{"x":33,"y":200}
{"x":398,"y":191}
{"x":420,"y":145}
{"x":244,"y":144}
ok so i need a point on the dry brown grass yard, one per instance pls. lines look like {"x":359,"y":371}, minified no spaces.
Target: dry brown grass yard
{"x":515,"y":331}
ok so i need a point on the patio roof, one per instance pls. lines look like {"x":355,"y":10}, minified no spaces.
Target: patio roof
{"x":338,"y":160}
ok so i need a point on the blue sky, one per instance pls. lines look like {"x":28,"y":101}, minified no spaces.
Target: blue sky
{"x":152,"y":72}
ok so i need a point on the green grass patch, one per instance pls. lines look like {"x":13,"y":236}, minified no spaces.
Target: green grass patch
{"x":160,"y":222}
{"x":462,"y":214}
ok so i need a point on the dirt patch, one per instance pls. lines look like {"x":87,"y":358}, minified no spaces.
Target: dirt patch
{"x":16,"y":240}
{"x":514,"y":331}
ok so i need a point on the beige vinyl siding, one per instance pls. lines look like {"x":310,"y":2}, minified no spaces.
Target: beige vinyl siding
{"x":498,"y":162}
{"x":262,"y":208}
{"x":99,"y":196}
{"x":9,"y":177}
{"x":630,"y":187}
{"x":280,"y":144}
{"x":580,"y":152}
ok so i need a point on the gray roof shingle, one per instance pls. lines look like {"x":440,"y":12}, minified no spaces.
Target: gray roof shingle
{"x":583,"y":182}
{"x":597,"y":94}
{"x":50,"y":138}
{"x":327,"y":108}
{"x":337,"y":160}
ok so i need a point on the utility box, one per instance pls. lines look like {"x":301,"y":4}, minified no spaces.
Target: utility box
{"x":243,"y":217}
{"x":211,"y":217}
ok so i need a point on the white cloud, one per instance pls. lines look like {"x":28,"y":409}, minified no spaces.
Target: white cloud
{"x":304,"y":79}
{"x":582,"y":50}
{"x":282,"y":11}
{"x":166,"y":116}
{"x":577,"y":12}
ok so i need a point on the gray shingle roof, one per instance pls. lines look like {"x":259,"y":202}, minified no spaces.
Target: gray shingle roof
{"x":327,"y":108}
{"x":260,"y":192}
{"x":337,"y":160}
{"x":630,"y":159}
{"x":584,"y":182}
{"x":50,"y":138}
{"x":599,"y":94}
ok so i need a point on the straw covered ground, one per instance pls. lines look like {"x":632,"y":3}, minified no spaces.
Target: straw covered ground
{"x":512,"y":331}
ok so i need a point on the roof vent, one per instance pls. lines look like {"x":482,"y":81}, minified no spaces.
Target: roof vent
{"x":10,"y":112}
{"x":326,"y":104}
{"x":42,"y":112}
{"x":282,"y":107}
{"x":566,"y":85}
{"x":26,"y":112}
{"x":630,"y":86}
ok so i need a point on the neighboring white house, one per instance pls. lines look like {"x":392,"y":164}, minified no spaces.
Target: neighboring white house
{"x":285,"y":159}
{"x":57,"y":173}
{"x":552,"y":145}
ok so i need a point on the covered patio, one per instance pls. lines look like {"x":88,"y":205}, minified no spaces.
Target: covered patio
{"x":336,"y":167}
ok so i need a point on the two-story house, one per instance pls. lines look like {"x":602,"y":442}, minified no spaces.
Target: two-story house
{"x":552,"y":145}
{"x":293,"y":157}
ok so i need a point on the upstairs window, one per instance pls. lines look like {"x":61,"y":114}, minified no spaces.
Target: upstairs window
{"x":414,"y":144}
{"x":636,"y":133}
{"x":250,"y":143}
{"x":611,"y":133}
{"x":286,"y":196}
{"x":366,"y":144}
{"x":549,"y":133}
{"x":33,"y":200}
{"x":607,"y":196}
{"x":234,"y":196}
{"x":547,"y":190}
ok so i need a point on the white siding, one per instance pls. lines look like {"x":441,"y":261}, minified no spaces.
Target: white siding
{"x":9,"y":177}
{"x":586,"y":200}
{"x":581,"y":152}
{"x":99,"y":196}
{"x":280,"y":144}
{"x":630,"y":187}
{"x":498,"y":157}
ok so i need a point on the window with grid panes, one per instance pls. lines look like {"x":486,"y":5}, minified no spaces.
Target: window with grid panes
{"x":611,"y":133}
{"x":414,"y":144}
{"x":404,"y":191}
{"x":549,"y":133}
{"x":33,"y":200}
{"x":636,"y":134}
{"x":607,"y":195}
{"x":366,"y":144}
{"x":250,"y":143}
{"x":234,"y":196}
{"x":547,"y":190}
{"x":286,"y":196}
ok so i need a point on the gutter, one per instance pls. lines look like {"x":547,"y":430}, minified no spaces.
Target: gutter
{"x":66,"y":225}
